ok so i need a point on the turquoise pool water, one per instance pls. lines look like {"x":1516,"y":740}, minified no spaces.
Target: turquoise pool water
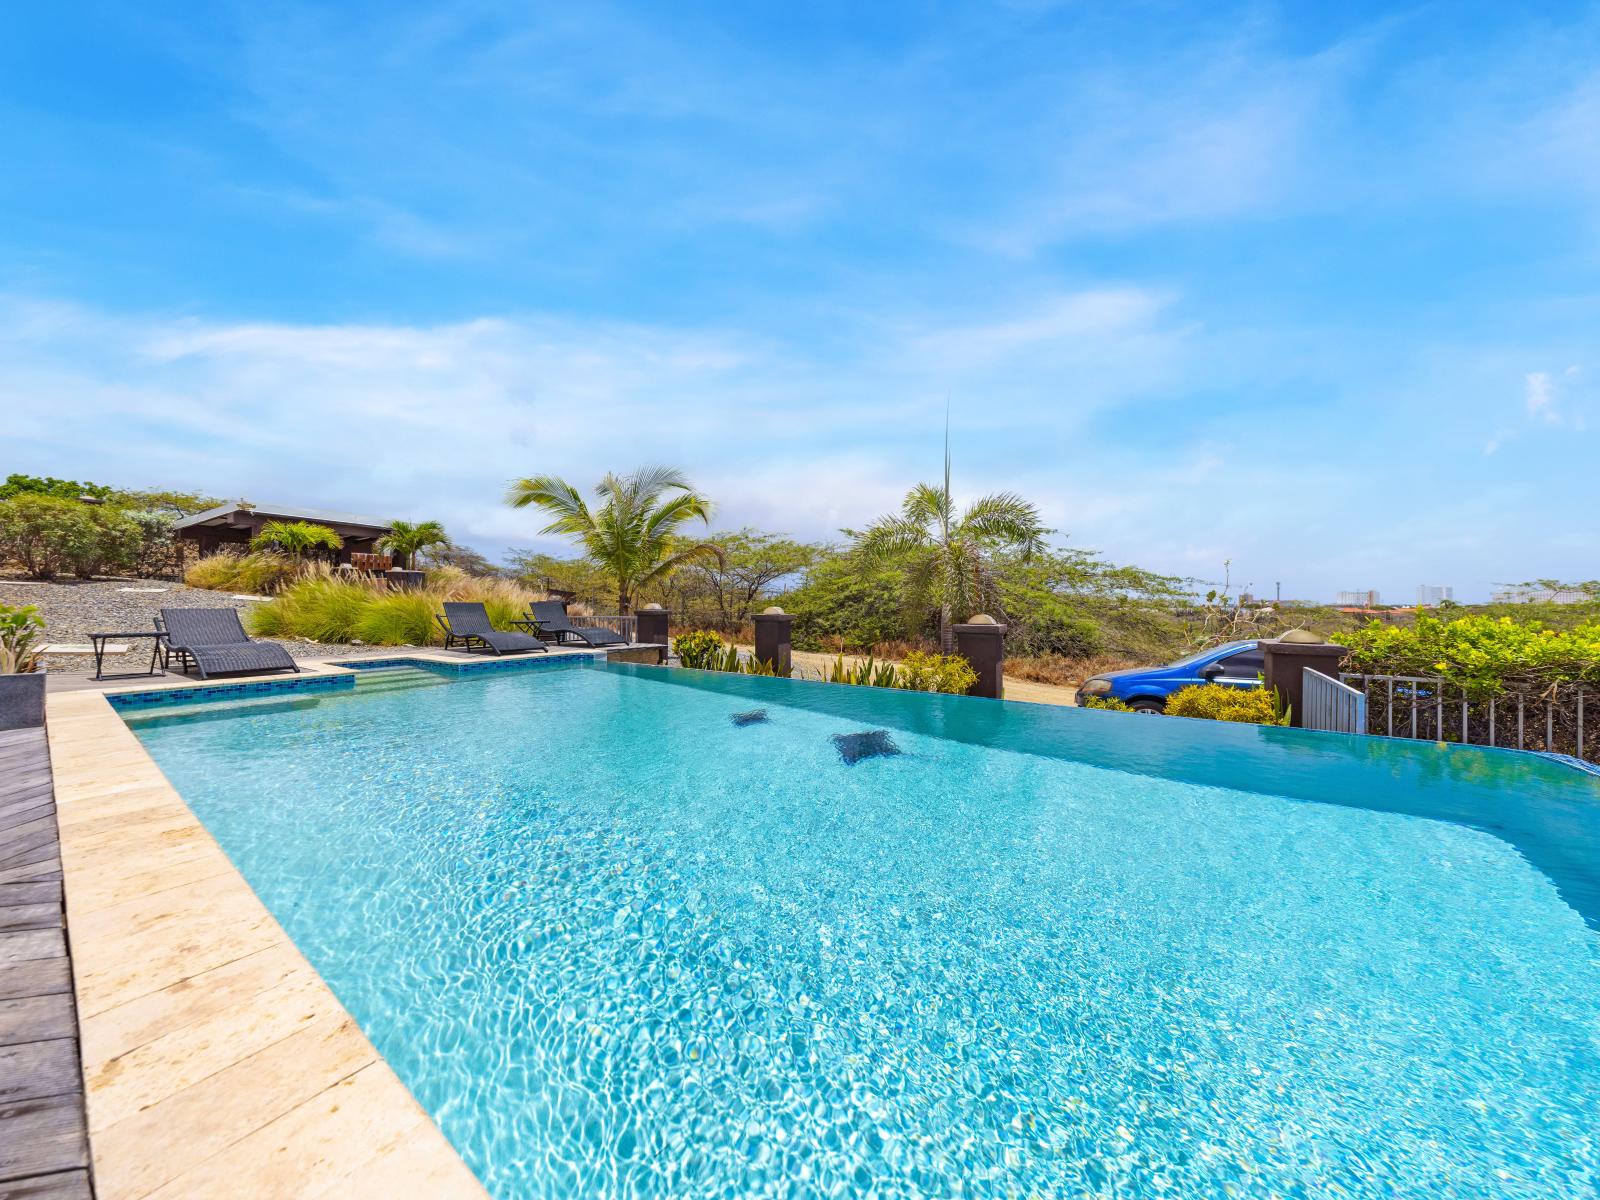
{"x":620,"y":943}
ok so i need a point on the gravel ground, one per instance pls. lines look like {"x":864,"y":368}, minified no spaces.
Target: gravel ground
{"x":74,"y":609}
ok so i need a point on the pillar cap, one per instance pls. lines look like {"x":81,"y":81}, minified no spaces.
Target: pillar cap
{"x":773,"y":611}
{"x":981,"y":619}
{"x":651,"y":608}
{"x":1302,"y":637}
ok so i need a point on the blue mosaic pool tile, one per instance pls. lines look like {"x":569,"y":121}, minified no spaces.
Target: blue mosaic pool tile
{"x":247,"y":689}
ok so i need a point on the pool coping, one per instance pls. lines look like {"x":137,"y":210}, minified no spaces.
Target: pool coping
{"x":216,"y":1060}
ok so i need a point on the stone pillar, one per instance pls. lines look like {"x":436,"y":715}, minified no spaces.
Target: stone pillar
{"x":1286,"y":660}
{"x":981,"y":641}
{"x":775,"y":639}
{"x":650,"y":627}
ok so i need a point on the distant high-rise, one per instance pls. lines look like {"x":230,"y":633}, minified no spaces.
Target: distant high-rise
{"x":1368,"y":599}
{"x":1431,"y":595}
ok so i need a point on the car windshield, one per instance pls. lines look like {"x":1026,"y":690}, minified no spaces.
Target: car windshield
{"x":1190,"y":660}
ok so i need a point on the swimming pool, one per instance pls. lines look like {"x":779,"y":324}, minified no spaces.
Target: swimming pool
{"x":632,"y":932}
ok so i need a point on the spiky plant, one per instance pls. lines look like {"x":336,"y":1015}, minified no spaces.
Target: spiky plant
{"x":635,"y":532}
{"x":296,"y":538}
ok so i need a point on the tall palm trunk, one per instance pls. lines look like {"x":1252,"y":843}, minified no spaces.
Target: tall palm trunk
{"x":947,"y":633}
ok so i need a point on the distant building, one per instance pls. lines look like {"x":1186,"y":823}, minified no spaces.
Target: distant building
{"x":1523,"y":594}
{"x":1358,"y":599}
{"x":231,"y":526}
{"x":1431,"y":595}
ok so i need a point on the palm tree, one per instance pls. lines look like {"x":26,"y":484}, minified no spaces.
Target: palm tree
{"x":296,"y":538}
{"x":948,"y":559}
{"x":634,"y":533}
{"x":406,"y":539}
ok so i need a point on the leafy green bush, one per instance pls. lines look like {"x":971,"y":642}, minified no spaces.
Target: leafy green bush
{"x":1481,"y":654}
{"x":948,"y":673}
{"x":155,"y":553}
{"x":1052,"y":629}
{"x":50,"y":536}
{"x":1223,"y":702}
{"x":701,"y":650}
{"x":844,"y":605}
{"x":258,"y":573}
{"x":1108,"y":703}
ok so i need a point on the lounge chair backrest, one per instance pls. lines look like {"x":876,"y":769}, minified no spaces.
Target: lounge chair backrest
{"x":550,"y":613}
{"x":467,"y":618}
{"x":203,"y":626}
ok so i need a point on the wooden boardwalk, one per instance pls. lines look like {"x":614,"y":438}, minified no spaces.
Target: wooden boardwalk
{"x":44,"y":1152}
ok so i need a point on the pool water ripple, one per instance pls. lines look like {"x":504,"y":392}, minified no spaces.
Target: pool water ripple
{"x":621,"y":945}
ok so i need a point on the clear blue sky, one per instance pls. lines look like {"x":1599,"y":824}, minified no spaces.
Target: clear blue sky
{"x":1312,"y":287}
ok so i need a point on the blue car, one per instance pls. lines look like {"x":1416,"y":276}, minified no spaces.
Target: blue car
{"x":1145,"y":689}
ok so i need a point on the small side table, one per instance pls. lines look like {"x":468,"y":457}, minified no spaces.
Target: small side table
{"x":99,"y":640}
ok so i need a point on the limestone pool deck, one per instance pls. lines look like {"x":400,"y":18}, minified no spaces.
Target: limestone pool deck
{"x":216,"y":1061}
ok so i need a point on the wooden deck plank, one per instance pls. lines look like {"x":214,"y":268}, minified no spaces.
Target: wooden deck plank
{"x":35,"y":977}
{"x":41,"y":1137}
{"x":30,"y":916}
{"x":62,"y":1185}
{"x":37,"y":1019}
{"x":29,"y":893}
{"x":44,"y":1148}
{"x":36,"y":1069}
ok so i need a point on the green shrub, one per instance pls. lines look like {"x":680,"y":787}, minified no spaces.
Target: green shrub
{"x":1222,"y":702}
{"x":701,"y":649}
{"x":866,"y":673}
{"x":50,"y":536}
{"x":1108,"y":703}
{"x":948,"y":673}
{"x":1053,"y":629}
{"x":1482,"y":654}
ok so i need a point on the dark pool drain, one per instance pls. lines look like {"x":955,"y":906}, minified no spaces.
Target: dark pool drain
{"x":754,"y":717}
{"x":853,"y":747}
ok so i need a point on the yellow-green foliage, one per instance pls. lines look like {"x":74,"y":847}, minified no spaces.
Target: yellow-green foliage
{"x":700,"y":649}
{"x":257,"y":573}
{"x":325,"y":607}
{"x":949,"y":673}
{"x":1109,"y":703}
{"x":1221,"y":702}
{"x":1481,"y":654}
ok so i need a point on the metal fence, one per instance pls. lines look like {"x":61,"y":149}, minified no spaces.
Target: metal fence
{"x":1332,"y":706}
{"x":1563,"y":718}
{"x":618,"y":625}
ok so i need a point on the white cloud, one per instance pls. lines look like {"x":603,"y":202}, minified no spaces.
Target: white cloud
{"x":433,"y":420}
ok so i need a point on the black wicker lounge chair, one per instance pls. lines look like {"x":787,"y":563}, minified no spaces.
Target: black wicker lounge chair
{"x":550,"y":617}
{"x":214,"y":642}
{"x":468,"y":625}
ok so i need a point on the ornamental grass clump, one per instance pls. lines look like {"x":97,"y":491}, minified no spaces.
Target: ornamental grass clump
{"x":258,"y":573}
{"x":1223,"y":702}
{"x":326,"y":606}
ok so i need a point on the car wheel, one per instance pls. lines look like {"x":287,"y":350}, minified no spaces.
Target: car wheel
{"x":1148,"y":707}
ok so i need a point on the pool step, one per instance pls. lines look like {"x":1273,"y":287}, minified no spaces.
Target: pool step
{"x":399,"y":679}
